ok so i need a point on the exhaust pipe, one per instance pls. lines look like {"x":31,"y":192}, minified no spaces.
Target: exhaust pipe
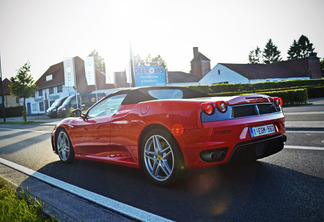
{"x":213,"y":156}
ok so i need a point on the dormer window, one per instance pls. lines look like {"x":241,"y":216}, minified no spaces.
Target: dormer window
{"x":49,"y":77}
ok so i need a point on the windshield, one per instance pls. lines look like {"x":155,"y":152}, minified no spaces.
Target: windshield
{"x":58,"y":102}
{"x":68,"y":100}
{"x":107,"y":106}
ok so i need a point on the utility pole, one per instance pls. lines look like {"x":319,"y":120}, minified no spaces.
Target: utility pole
{"x":2,"y":94}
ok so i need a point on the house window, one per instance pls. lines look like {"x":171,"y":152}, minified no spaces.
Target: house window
{"x":51,"y":90}
{"x":40,"y":92}
{"x":219,"y":72}
{"x":59,"y":89}
{"x":17,"y":100}
{"x":49,"y":77}
{"x":41,"y":106}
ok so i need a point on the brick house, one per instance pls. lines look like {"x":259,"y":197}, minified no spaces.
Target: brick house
{"x":51,"y":86}
{"x":9,"y":100}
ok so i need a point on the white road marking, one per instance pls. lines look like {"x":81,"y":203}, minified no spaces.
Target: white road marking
{"x":114,"y":205}
{"x":303,"y":147}
{"x":305,"y":132}
{"x":26,"y":130}
{"x":304,"y":113}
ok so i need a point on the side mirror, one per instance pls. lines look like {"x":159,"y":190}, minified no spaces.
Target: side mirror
{"x":76,"y":113}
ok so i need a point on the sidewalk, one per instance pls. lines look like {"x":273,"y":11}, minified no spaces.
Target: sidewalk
{"x":42,"y":119}
{"x":59,"y":204}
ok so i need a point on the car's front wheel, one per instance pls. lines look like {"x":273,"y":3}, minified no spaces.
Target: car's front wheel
{"x":64,"y":147}
{"x":161,"y":157}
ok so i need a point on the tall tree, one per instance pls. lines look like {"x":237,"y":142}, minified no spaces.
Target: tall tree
{"x":271,"y":53}
{"x":255,"y":56}
{"x":99,"y":61}
{"x":306,"y":47}
{"x":294,"y":51}
{"x":149,"y":61}
{"x":23,"y":86}
{"x":301,"y":48}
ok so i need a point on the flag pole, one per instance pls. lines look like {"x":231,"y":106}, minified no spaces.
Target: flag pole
{"x":132,"y":77}
{"x":2,"y":94}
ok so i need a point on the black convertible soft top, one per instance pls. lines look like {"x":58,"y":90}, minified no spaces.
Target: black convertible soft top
{"x":141,"y":94}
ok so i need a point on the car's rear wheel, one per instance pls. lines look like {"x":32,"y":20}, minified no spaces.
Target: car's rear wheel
{"x":161,"y":157}
{"x":64,"y":147}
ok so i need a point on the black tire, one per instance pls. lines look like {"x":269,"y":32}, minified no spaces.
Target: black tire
{"x":64,"y":147}
{"x":161,"y":158}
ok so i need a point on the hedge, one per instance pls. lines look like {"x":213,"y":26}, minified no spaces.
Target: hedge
{"x":12,"y":111}
{"x":315,"y":92}
{"x":253,"y":87}
{"x":290,"y":97}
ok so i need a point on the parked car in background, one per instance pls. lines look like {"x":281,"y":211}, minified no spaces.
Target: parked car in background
{"x":69,"y":103}
{"x":85,"y":101}
{"x":52,"y":111}
{"x":166,"y":130}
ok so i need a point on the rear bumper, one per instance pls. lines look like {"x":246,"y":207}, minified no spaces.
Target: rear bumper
{"x":252,"y":150}
{"x":206,"y":146}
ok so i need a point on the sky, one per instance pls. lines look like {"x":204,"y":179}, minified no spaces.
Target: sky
{"x":45,"y":32}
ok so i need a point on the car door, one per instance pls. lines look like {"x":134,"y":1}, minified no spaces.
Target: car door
{"x":93,"y":132}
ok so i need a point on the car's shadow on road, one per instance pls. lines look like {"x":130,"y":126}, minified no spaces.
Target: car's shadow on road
{"x":258,"y":191}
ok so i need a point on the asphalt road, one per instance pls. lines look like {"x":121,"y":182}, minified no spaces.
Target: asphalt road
{"x":288,"y":186}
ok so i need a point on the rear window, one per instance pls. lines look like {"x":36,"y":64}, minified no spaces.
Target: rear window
{"x":166,"y":93}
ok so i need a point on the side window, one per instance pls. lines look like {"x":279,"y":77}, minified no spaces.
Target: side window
{"x":107,"y":106}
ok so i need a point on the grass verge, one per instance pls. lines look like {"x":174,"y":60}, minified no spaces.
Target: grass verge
{"x":19,"y":207}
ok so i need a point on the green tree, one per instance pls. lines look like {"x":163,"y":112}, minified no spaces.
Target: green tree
{"x":301,"y":48}
{"x":294,"y":51}
{"x":255,"y":56}
{"x":306,"y":47}
{"x":99,"y":61}
{"x":149,"y":61}
{"x":23,"y":86}
{"x":271,"y":53}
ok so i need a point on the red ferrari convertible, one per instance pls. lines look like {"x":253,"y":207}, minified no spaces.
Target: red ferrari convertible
{"x":166,"y":130}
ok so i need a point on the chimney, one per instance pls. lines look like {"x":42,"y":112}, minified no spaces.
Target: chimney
{"x":195,"y":51}
{"x":313,"y":54}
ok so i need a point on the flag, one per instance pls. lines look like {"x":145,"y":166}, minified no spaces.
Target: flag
{"x":90,"y":70}
{"x":69,"y":72}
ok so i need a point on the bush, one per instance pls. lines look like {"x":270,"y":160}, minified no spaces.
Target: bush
{"x":12,"y":111}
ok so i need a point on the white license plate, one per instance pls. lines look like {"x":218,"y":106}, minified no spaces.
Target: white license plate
{"x":262,"y":130}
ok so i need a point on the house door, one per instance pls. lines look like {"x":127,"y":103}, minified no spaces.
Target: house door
{"x":28,"y":109}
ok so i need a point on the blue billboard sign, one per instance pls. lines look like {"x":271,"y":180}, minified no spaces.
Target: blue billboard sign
{"x":149,"y":76}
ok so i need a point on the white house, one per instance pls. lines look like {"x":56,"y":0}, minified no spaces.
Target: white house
{"x":306,"y":68}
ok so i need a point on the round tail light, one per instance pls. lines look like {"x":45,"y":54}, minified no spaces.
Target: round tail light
{"x":278,"y":101}
{"x":221,"y":106}
{"x":208,"y":108}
